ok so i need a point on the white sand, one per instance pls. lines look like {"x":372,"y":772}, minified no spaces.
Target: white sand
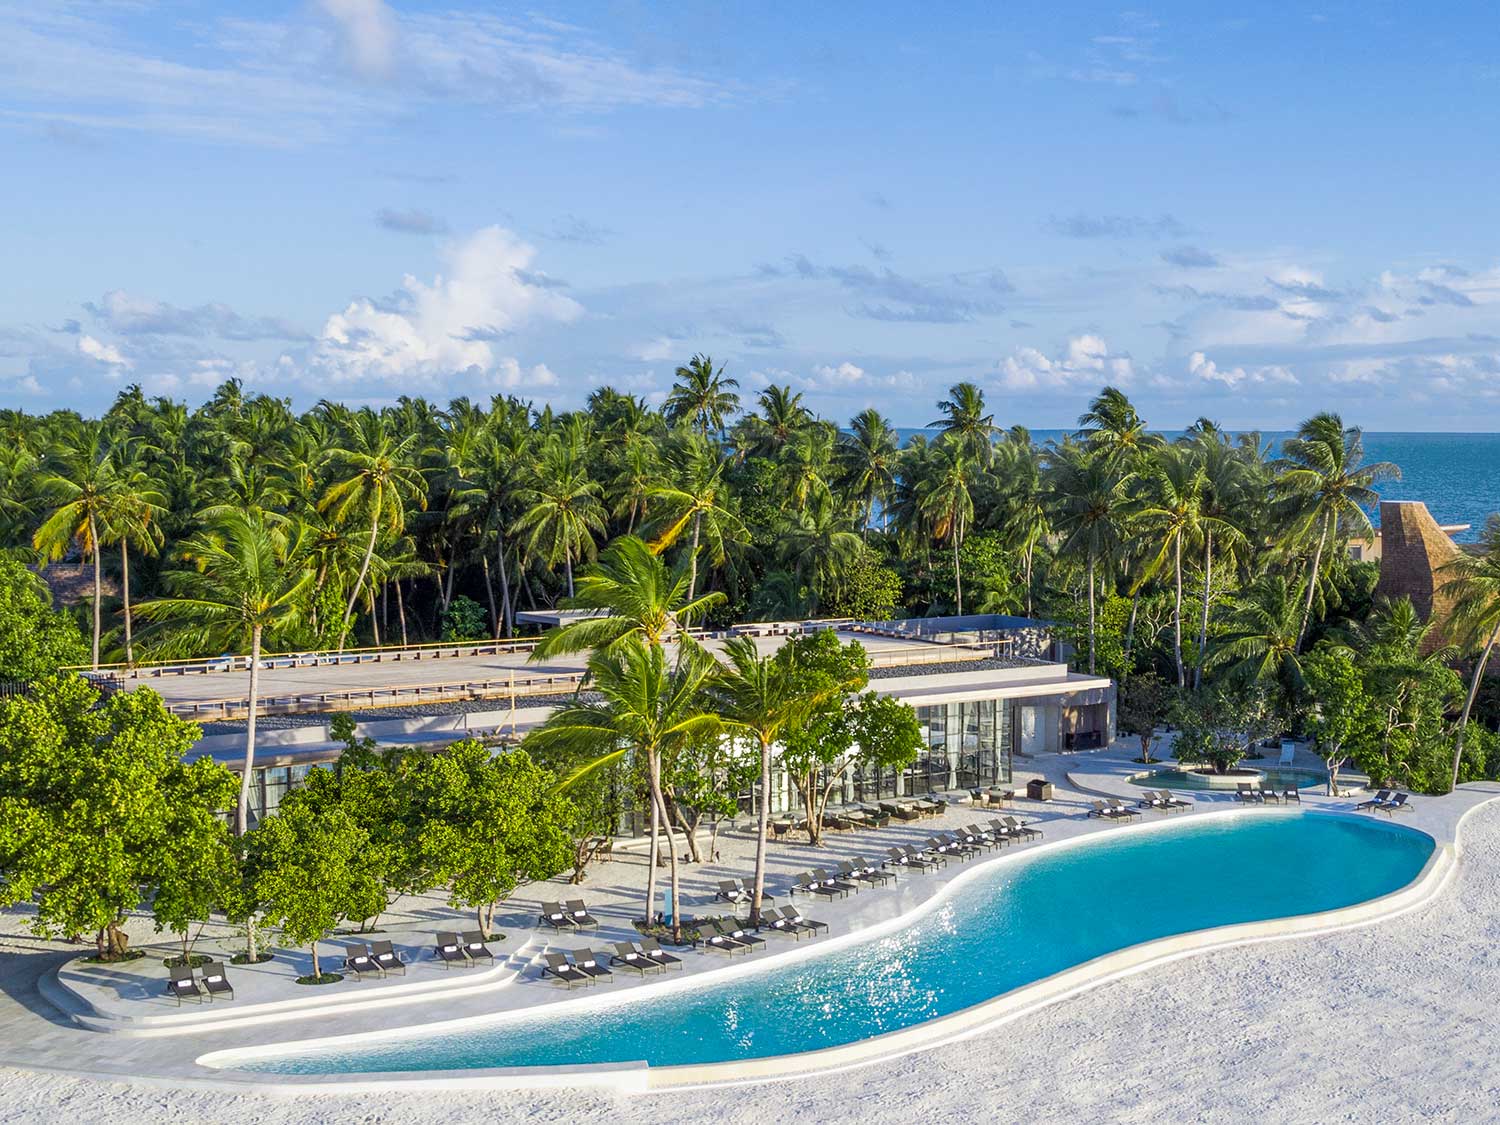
{"x":1396,"y":1022}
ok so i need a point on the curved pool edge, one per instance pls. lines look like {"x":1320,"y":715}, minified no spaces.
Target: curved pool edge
{"x":639,"y":1077}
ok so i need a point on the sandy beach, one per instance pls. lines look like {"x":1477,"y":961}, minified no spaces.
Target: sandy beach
{"x":1394,"y":1019}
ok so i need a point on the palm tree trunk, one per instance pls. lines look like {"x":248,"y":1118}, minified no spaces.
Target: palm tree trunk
{"x":364,"y":568}
{"x":374,"y":621}
{"x":1177,"y":617}
{"x":1463,"y":720}
{"x":568,"y":562}
{"x":1135,"y":609}
{"x":1312,"y":584}
{"x":763,"y":824}
{"x":651,"y":854}
{"x":505,"y":606}
{"x":242,"y":811}
{"x":125,"y":590}
{"x":1208,"y":576}
{"x":654,"y":764}
{"x":1030,"y":549}
{"x":1092,"y":645}
{"x":98,"y":590}
{"x":693,"y":559}
{"x":489,"y":593}
{"x":401,"y":613}
{"x":958,"y":582}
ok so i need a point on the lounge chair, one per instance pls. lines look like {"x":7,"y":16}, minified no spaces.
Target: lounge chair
{"x":766,"y":897}
{"x":384,"y":954}
{"x":1396,"y":804}
{"x":1376,"y":801}
{"x":1269,"y":794}
{"x":743,"y":936}
{"x":629,"y":957}
{"x":809,"y":884}
{"x":557,"y":966}
{"x":828,"y":880}
{"x":797,"y":918}
{"x":900,"y":858}
{"x":1097,"y":808}
{"x":1292,"y":794}
{"x":1174,"y":801}
{"x":555,"y":916}
{"x":900,"y":811}
{"x":593,"y":964}
{"x":652,"y":949}
{"x":581,"y":916}
{"x":1245,"y":794}
{"x":1121,"y":808}
{"x":475,"y":947}
{"x":1022,"y":827}
{"x":215,"y":983}
{"x":180,"y":983}
{"x":450,"y":951}
{"x":1151,"y":801}
{"x":875,"y":874}
{"x":358,"y":961}
{"x":971,"y":835}
{"x":730,"y":891}
{"x":712,"y":935}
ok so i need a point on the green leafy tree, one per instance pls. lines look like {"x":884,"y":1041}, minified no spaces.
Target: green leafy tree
{"x":35,"y":639}
{"x":1145,"y":702}
{"x":704,"y":778}
{"x":305,"y":867}
{"x":88,"y":801}
{"x":1340,"y":719}
{"x":1473,"y":581}
{"x":866,"y":732}
{"x":702,"y":396}
{"x":198,"y":870}
{"x":463,"y":620}
{"x":491,"y":824}
{"x":870,"y":590}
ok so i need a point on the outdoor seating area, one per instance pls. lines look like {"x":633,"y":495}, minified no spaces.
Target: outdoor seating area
{"x":207,"y":982}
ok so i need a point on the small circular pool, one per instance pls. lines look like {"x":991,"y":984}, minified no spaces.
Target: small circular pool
{"x":1189,"y":779}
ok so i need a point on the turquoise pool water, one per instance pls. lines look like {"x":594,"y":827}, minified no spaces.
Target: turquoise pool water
{"x":1185,"y":779}
{"x":1010,"y":925}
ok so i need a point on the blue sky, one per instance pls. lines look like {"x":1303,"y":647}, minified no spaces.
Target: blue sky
{"x":1249,"y":212}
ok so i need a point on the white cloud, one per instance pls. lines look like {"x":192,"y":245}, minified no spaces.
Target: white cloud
{"x":103,"y":353}
{"x":1201,"y":367}
{"x":832,"y":379}
{"x":845,"y":372}
{"x":369,"y":31}
{"x":448,"y":326}
{"x":1084,"y":359}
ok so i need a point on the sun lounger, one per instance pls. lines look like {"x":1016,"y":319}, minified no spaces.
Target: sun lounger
{"x":712,"y":935}
{"x":593,"y":964}
{"x":652,"y":949}
{"x":1247,"y":795}
{"x":180,"y":983}
{"x":828,"y":880}
{"x":766,"y":897}
{"x":475,"y":946}
{"x":1022,"y":827}
{"x":809,"y":884}
{"x":384,"y":954}
{"x":797,"y":918}
{"x":1269,"y":794}
{"x":215,"y":983}
{"x":555,"y":916}
{"x":1395,"y":804}
{"x":1376,"y":801}
{"x":730,"y":891}
{"x":1121,"y":808}
{"x":581,"y":916}
{"x":1172,"y":800}
{"x":738,"y":933}
{"x":873,"y":874}
{"x":899,"y":858}
{"x":627,"y":956}
{"x":559,"y":968}
{"x":450,"y":951}
{"x":1292,"y":794}
{"x":357,"y":960}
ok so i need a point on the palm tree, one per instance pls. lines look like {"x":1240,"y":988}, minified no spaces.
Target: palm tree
{"x":647,"y":710}
{"x":869,"y":453}
{"x":84,"y":484}
{"x":1473,"y":582}
{"x":246,"y":577}
{"x":701,"y":396}
{"x":819,"y":547}
{"x":1111,"y":425}
{"x":376,"y":480}
{"x":1027,"y":521}
{"x":781,"y":415}
{"x":1261,"y":638}
{"x":965,"y":422}
{"x":1329,"y":488}
{"x":1089,"y":496}
{"x":698,"y":499}
{"x":1227,"y":486}
{"x":134,"y":520}
{"x":1172,"y":507}
{"x":944,"y":500}
{"x":564,"y":512}
{"x":757,"y":695}
{"x":634,"y":595}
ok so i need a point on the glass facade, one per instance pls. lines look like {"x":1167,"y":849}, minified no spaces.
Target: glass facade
{"x":270,"y":784}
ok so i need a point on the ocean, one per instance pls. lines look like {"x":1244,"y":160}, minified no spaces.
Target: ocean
{"x":1456,"y":475}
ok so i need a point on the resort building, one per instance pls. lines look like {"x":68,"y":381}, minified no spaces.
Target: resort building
{"x":986,"y":689}
{"x":1413,"y":548}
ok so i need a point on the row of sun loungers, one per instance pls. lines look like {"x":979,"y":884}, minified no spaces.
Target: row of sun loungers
{"x":1387,"y":802}
{"x":1262,"y":794}
{"x":1162,"y":800}
{"x":1116,"y":809}
{"x":376,"y":959}
{"x":588,"y":967}
{"x":572,"y":916}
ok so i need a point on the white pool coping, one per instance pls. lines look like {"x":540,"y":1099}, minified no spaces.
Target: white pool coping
{"x":639,"y":1077}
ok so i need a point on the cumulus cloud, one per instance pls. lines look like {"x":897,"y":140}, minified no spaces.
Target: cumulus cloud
{"x":102,"y":353}
{"x":1084,"y":360}
{"x":430,"y":330}
{"x":830,"y":378}
{"x":129,"y":315}
{"x":1201,"y":367}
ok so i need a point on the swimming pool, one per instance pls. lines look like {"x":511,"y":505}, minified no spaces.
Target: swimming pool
{"x":1009,"y":925}
{"x":1187,"y":779}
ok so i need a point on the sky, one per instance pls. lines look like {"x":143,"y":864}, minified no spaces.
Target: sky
{"x":1243,"y":211}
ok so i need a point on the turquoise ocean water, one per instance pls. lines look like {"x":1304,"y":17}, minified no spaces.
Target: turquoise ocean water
{"x":1456,"y":475}
{"x":1013,"y":924}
